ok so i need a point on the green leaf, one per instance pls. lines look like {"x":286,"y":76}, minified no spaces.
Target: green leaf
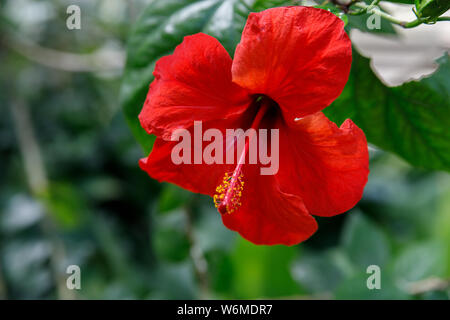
{"x":171,"y":244}
{"x":209,"y":231}
{"x":442,"y":222}
{"x":21,"y":213}
{"x":174,"y":281}
{"x":356,"y":288}
{"x":364,"y":242}
{"x":169,"y":236}
{"x":262,"y":271}
{"x":172,"y":197}
{"x":260,"y":5}
{"x":158,"y":31}
{"x":321,"y":272}
{"x":431,"y":8}
{"x":24,"y":262}
{"x":421,"y":261}
{"x":360,"y":22}
{"x":334,"y":10}
{"x":65,"y":204}
{"x":410,"y":120}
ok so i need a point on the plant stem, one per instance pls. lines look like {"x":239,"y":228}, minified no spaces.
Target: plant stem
{"x":198,"y":259}
{"x":372,"y":5}
{"x":37,"y":180}
{"x":428,"y":284}
{"x":372,"y":9}
{"x":3,"y":291}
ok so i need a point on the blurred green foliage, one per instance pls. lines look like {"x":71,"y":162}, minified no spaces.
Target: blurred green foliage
{"x":134,"y":238}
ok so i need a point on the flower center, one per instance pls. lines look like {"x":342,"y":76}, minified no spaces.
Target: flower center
{"x":227,"y":198}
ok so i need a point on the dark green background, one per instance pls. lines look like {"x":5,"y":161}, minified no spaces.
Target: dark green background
{"x":135,"y":238}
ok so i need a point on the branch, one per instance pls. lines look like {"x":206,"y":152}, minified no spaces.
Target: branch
{"x":196,"y":254}
{"x":3,"y":290}
{"x":372,"y":9}
{"x":29,"y":148}
{"x":427,"y":285}
{"x":98,"y":61}
{"x":38,"y":183}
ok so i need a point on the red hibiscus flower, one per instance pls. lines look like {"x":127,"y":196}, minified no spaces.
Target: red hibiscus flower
{"x":291,"y":63}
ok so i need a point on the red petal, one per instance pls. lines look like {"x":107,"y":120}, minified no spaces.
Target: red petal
{"x":325,"y":165}
{"x":298,"y":56}
{"x":268,"y":215}
{"x":200,"y":178}
{"x":194,"y":83}
{"x":193,"y":177}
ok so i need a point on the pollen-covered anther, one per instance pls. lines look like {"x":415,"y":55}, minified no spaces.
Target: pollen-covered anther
{"x":227,"y":198}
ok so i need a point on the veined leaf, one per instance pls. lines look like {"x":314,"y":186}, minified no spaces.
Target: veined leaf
{"x":411,"y":120}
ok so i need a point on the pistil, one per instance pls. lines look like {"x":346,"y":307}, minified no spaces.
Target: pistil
{"x":228,"y":194}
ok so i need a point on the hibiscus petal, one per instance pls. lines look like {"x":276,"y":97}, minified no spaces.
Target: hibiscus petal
{"x":298,"y":56}
{"x":201,"y":178}
{"x":268,"y":215}
{"x":325,"y":165}
{"x":193,"y":177}
{"x":194,"y":83}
